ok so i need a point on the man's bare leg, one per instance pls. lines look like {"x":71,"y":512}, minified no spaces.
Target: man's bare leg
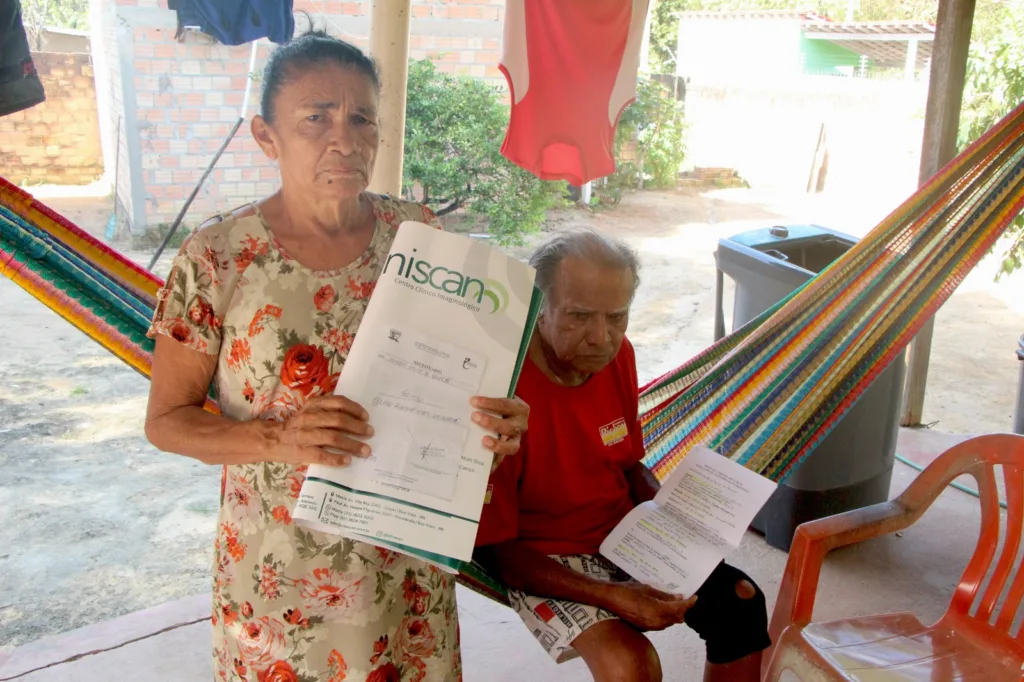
{"x":746,"y":669}
{"x":616,"y":652}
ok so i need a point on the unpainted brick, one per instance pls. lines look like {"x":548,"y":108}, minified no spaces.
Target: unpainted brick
{"x":164,"y":66}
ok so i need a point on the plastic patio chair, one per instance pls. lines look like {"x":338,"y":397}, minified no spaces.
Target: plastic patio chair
{"x":980,"y":636}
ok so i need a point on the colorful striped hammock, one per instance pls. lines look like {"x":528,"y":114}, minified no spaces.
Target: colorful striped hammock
{"x":764,"y":396}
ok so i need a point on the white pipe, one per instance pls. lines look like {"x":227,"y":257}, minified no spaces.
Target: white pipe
{"x":248,"y":80}
{"x":911,"y":65}
{"x":389,"y":46}
{"x":104,"y":87}
{"x":645,"y":44}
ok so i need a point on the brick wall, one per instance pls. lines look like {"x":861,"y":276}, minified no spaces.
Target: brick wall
{"x":187,"y":95}
{"x":56,"y":142}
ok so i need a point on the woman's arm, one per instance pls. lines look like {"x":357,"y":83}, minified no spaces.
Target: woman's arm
{"x":176,"y":421}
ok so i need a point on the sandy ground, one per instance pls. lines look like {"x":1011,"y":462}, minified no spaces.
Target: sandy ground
{"x":97,"y":523}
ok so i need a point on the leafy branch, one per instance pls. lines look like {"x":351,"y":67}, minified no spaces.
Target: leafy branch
{"x":454,"y":127}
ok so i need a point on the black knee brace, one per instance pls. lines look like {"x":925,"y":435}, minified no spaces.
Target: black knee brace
{"x":732,"y":627}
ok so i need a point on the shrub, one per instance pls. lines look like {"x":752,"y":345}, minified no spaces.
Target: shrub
{"x":454,"y":128}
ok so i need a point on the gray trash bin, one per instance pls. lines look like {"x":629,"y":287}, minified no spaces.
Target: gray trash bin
{"x":852,"y":466}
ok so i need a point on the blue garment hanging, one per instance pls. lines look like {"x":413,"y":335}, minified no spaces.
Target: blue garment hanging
{"x":236,"y":22}
{"x":20,"y":87}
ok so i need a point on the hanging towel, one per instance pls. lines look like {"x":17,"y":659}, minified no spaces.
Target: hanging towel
{"x":20,"y":87}
{"x":236,"y":22}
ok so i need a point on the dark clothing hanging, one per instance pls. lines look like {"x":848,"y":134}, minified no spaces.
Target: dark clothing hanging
{"x":236,"y":22}
{"x":20,"y":87}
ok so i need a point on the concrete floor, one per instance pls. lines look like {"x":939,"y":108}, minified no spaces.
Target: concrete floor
{"x":914,"y":571}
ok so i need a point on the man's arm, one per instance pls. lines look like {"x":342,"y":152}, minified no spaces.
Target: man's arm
{"x":528,"y":570}
{"x":525,"y":569}
{"x":643,"y":486}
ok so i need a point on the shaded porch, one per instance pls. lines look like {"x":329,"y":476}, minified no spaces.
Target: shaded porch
{"x":914,"y":571}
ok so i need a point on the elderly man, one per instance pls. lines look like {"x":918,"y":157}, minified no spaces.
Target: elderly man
{"x":578,"y":474}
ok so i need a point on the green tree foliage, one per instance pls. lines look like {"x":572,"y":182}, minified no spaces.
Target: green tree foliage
{"x":995,"y":86}
{"x":454,"y":128}
{"x":655,"y":121}
{"x":37,"y":14}
{"x":664,"y":34}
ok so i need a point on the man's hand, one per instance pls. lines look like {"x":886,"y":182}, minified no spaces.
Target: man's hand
{"x":646,"y":608}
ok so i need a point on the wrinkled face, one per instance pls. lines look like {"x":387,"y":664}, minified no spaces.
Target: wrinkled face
{"x":587,"y":312}
{"x":324,"y":133}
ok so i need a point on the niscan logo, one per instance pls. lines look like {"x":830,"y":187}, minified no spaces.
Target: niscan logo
{"x":497,"y":294}
{"x":449,"y":281}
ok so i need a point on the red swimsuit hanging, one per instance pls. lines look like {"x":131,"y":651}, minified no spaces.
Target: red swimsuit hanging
{"x":571,"y":66}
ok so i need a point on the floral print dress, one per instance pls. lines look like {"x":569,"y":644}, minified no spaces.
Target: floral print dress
{"x":290,"y":604}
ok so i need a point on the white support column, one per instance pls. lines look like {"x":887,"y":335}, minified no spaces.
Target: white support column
{"x":645,"y":44}
{"x":108,"y":118}
{"x":389,"y":46}
{"x":911,"y":65}
{"x":586,"y":191}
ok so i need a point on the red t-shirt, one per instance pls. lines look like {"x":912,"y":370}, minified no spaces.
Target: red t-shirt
{"x":566,"y":489}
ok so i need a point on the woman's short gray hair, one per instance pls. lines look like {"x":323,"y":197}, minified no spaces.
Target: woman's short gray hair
{"x":585,"y":244}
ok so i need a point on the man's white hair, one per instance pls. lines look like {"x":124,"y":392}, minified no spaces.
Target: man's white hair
{"x":585,"y":244}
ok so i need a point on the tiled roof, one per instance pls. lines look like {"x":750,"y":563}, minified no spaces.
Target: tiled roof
{"x":754,"y":14}
{"x":868,"y":29}
{"x":884,"y":43}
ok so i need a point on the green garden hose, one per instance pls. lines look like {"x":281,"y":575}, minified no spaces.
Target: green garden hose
{"x":958,"y":486}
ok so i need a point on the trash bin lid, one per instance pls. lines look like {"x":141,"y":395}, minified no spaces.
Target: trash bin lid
{"x":786,"y":254}
{"x":767,"y":237}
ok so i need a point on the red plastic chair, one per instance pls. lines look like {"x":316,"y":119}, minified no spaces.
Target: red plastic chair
{"x":978,"y":638}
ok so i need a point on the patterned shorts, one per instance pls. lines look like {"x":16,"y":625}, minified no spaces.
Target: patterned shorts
{"x":556,"y":623}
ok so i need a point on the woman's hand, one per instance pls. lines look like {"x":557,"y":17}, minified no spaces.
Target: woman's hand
{"x":324,"y":422}
{"x":510,"y":424}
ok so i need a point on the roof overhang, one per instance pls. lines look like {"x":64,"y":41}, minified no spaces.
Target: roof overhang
{"x":885,"y":44}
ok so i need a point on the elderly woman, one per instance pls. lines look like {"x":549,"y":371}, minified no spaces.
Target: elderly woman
{"x":265,"y":303}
